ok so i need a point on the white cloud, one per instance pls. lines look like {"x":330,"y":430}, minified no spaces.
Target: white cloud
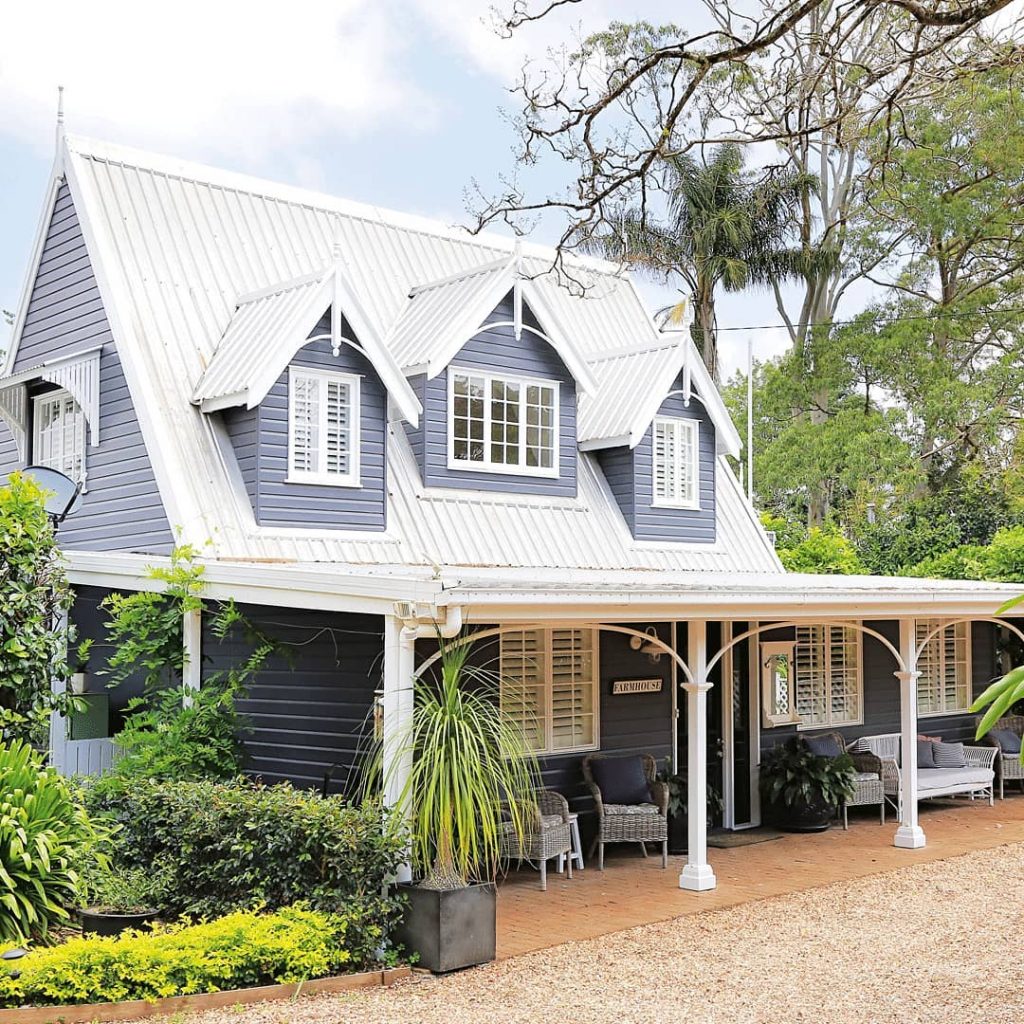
{"x":208,"y":77}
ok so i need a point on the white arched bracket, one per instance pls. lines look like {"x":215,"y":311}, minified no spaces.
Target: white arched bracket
{"x":14,"y":412}
{"x":1016,"y":630}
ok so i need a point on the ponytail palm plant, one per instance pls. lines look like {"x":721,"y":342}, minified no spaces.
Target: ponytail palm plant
{"x":472,"y":773}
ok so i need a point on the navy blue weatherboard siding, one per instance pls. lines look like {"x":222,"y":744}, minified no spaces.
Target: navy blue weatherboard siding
{"x":308,"y":709}
{"x":8,"y":451}
{"x":882,"y":693}
{"x":630,"y":474}
{"x":497,"y":350}
{"x":260,"y":439}
{"x":122,"y":509}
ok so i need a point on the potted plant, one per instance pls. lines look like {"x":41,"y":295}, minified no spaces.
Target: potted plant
{"x":802,"y":791}
{"x":120,"y":898}
{"x":79,"y":680}
{"x":678,"y":793}
{"x":470,"y":775}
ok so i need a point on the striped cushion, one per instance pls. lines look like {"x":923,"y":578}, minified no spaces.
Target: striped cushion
{"x":949,"y":755}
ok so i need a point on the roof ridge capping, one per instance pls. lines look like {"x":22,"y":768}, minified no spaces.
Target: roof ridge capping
{"x":87,"y":147}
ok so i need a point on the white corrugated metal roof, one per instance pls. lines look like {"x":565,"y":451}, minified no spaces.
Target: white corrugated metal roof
{"x":176,"y":245}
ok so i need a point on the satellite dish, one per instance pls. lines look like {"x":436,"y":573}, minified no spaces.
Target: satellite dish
{"x":62,"y":494}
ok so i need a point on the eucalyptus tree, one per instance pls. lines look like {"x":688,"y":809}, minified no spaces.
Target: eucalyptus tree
{"x":725,"y":227}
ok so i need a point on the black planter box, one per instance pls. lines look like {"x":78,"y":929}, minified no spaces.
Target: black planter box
{"x":811,"y":816}
{"x":449,"y":928}
{"x":96,"y":923}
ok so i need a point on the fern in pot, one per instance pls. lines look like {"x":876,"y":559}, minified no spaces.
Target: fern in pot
{"x":802,"y":791}
{"x":470,"y":775}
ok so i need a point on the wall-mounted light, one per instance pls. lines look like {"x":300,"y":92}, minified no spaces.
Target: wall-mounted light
{"x":648,"y":646}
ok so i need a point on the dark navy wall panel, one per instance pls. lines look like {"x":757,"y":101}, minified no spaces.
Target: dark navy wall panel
{"x":497,"y":350}
{"x":309,"y":710}
{"x":882,"y":695}
{"x":261,"y":445}
{"x":121,"y":510}
{"x":617,"y":466}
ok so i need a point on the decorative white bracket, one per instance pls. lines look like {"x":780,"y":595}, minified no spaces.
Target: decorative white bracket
{"x":14,"y":412}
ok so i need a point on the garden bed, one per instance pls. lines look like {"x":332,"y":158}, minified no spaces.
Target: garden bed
{"x":86,"y":1013}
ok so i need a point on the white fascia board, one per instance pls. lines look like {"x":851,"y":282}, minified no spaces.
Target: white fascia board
{"x":598,"y":443}
{"x":274,"y":585}
{"x":394,"y":380}
{"x":32,"y":270}
{"x":221,"y":402}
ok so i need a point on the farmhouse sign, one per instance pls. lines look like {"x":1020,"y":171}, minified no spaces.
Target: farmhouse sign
{"x":636,"y":686}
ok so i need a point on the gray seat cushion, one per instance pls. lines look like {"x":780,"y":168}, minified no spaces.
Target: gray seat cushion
{"x":630,"y":809}
{"x":866,"y":776}
{"x":943,"y":778}
{"x":1008,"y":740}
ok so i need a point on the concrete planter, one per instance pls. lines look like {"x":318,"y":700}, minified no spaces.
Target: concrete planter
{"x":450,"y":928}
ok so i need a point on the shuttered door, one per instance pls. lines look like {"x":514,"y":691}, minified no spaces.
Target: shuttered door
{"x":572,"y":689}
{"x":522,"y":684}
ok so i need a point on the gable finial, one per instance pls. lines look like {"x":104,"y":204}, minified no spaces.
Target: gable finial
{"x":60,"y":114}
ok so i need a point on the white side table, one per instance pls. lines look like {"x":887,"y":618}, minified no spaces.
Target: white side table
{"x":577,"y":846}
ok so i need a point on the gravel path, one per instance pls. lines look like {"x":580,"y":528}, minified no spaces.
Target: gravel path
{"x":926,"y":943}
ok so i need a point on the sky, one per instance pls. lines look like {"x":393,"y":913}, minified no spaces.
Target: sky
{"x":401,"y":103}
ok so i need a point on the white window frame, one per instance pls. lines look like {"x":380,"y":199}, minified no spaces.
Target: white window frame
{"x":966,"y":687}
{"x":320,"y":476}
{"x":486,"y":465}
{"x":826,"y":662}
{"x":691,"y":429}
{"x":48,"y":398}
{"x":548,"y":749}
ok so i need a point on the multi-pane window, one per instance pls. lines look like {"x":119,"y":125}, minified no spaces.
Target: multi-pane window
{"x":827,"y":675}
{"x":58,"y":439}
{"x":549,"y":687}
{"x":323,"y":427}
{"x":944,"y":664}
{"x":503,"y":423}
{"x":676,"y":463}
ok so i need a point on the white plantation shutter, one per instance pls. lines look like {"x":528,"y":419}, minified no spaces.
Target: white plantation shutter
{"x":323,"y":418}
{"x":549,"y":687}
{"x":827,"y":680}
{"x":944,"y":680}
{"x":676,"y":462}
{"x":59,"y":434}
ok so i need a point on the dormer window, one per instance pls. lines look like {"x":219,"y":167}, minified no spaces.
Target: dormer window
{"x":323,"y":427}
{"x":58,"y":434}
{"x":502,"y":424}
{"x":676,"y":463}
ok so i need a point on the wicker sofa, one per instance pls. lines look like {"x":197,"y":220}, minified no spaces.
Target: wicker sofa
{"x":1008,"y":765}
{"x":882,"y":754}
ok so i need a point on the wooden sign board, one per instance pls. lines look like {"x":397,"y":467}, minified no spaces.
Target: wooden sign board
{"x":620,"y":686}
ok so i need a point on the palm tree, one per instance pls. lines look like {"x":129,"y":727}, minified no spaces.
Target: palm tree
{"x":726,"y":226}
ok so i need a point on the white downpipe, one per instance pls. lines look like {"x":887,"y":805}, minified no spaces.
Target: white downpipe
{"x":697,"y":875}
{"x":909,"y":835}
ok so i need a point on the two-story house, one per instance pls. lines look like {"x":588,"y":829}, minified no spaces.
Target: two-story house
{"x":374,"y":426}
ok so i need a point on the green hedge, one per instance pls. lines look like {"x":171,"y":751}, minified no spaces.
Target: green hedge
{"x":237,"y":951}
{"x":229,"y":846}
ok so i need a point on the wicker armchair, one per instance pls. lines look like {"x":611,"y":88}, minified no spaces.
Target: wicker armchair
{"x":548,"y":837}
{"x":1008,"y":766}
{"x":869,"y":789}
{"x":620,"y":823}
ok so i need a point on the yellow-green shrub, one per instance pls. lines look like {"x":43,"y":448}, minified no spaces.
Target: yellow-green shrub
{"x":240,"y":950}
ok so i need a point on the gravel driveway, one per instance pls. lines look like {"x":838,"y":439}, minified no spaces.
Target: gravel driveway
{"x":929,"y":943}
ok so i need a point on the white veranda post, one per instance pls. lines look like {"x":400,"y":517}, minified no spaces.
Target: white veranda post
{"x":909,"y":835}
{"x":191,"y":636}
{"x":697,"y":874}
{"x":399,"y":665}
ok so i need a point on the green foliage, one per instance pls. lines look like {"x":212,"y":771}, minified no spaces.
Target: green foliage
{"x":121,"y":890}
{"x":962,"y":563}
{"x":788,"y":532}
{"x":46,"y":836}
{"x":999,"y":698}
{"x":1003,"y":559}
{"x":231,"y":846}
{"x":792,"y":774}
{"x":240,"y":950}
{"x":825,"y":550}
{"x":164,"y":737}
{"x":469,"y":764}
{"x":34,"y":593}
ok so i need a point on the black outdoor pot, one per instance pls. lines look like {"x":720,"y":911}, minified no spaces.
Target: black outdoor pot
{"x":449,"y":928}
{"x":677,"y":833}
{"x":804,"y":816}
{"x":95,"y":922}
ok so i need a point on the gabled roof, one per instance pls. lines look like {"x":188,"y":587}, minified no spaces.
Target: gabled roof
{"x":174,"y":246}
{"x":441,"y":316}
{"x":270,"y":326}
